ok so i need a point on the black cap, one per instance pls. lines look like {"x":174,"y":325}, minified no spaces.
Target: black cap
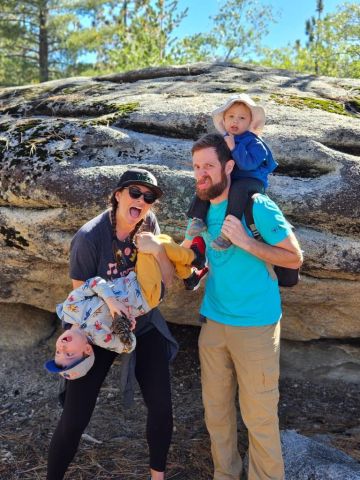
{"x":139,"y":176}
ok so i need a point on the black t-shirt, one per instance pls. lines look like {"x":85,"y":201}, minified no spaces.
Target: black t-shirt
{"x":91,"y":251}
{"x":91,"y":254}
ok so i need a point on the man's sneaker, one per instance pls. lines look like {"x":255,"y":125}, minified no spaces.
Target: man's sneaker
{"x":220,"y":243}
{"x":196,"y":227}
{"x":193,"y":282}
{"x":198,"y":246}
{"x":121,"y":326}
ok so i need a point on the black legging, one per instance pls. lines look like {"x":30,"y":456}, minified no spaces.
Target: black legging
{"x":152,"y":373}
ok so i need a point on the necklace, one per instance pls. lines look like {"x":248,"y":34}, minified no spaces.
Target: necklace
{"x":123,"y":240}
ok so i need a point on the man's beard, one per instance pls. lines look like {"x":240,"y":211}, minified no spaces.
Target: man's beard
{"x":215,"y":190}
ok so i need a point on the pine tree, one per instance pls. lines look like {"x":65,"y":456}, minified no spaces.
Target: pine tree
{"x":312,"y":30}
{"x":37,"y":38}
{"x":237,"y":33}
{"x":332,"y":48}
{"x":137,"y":33}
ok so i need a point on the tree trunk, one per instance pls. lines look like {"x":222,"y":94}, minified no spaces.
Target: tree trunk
{"x":43,"y":43}
{"x":161,"y":34}
{"x":124,"y":12}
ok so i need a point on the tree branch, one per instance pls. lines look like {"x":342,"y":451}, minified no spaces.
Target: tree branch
{"x":20,"y":47}
{"x":12,"y":55}
{"x":28,"y":42}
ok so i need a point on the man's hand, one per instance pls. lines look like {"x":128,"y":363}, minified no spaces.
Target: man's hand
{"x":235,"y":232}
{"x":230,"y":141}
{"x":286,"y":253}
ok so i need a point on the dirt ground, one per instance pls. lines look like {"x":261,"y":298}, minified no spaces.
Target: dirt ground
{"x":114,"y":445}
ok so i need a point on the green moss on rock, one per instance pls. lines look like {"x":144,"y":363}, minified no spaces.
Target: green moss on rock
{"x":330,"y":106}
{"x":83,"y":88}
{"x":115,"y":110}
{"x":121,"y":109}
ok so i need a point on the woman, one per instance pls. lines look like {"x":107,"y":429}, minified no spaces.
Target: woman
{"x":105,"y":247}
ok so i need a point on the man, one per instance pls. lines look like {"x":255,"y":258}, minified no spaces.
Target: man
{"x":239,"y":342}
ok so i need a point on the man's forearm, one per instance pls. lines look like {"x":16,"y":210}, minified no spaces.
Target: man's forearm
{"x":285,"y":254}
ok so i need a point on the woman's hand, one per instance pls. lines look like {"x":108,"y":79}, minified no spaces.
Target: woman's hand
{"x":146,"y":242}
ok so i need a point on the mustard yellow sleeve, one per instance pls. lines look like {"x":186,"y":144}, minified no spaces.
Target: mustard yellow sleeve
{"x":181,"y":257}
{"x":149,"y":277}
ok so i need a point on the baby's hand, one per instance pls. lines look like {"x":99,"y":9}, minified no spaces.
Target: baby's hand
{"x":146,"y":242}
{"x":230,"y":141}
{"x":115,"y":306}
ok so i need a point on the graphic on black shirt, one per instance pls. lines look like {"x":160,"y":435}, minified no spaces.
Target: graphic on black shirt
{"x":92,"y":250}
{"x":125,"y":254}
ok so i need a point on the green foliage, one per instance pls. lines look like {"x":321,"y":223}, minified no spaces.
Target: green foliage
{"x":195,"y":48}
{"x":10,"y":31}
{"x":240,"y":26}
{"x":90,"y":37}
{"x":133,"y":34}
{"x":333,"y":46}
{"x":38,"y":39}
{"x":47,"y":39}
{"x":236,"y":35}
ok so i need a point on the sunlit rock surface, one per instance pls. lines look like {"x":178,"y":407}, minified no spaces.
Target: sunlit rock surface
{"x":64,"y":144}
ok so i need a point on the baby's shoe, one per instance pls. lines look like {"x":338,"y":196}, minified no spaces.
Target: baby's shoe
{"x":121,"y":327}
{"x":221,"y":243}
{"x":196,"y":227}
{"x":193,"y":282}
{"x":198,"y":246}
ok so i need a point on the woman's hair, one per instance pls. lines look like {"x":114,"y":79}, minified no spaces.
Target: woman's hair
{"x":113,"y":206}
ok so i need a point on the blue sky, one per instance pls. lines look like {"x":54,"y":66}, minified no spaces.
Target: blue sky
{"x":290,"y":25}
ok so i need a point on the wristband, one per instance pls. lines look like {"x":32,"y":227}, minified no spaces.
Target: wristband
{"x":226,"y":135}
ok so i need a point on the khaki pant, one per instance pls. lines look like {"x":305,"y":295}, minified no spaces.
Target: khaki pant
{"x":249,"y":357}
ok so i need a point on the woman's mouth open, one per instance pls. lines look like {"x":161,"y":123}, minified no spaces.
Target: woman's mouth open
{"x":135,"y":212}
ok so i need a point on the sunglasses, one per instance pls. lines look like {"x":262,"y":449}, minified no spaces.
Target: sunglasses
{"x":149,"y":197}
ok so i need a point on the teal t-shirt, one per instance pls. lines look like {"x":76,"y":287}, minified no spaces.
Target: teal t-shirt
{"x":239,"y":290}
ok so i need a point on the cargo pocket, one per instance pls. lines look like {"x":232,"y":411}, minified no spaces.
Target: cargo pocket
{"x":266,"y":376}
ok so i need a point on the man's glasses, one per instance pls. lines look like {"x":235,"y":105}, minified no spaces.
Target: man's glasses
{"x":149,"y":197}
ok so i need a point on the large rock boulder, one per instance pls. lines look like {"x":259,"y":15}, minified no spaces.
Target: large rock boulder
{"x":63,"y":145}
{"x":24,"y":326}
{"x":308,"y":459}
